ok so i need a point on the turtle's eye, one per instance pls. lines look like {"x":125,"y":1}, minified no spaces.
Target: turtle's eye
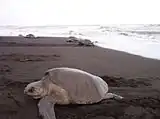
{"x":46,"y":73}
{"x":31,"y":90}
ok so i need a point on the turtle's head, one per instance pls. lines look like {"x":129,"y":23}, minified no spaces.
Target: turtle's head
{"x":36,"y":89}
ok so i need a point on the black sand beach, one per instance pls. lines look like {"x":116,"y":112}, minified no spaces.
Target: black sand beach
{"x":23,"y":60}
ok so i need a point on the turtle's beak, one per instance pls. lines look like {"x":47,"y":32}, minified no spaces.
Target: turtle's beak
{"x":25,"y":92}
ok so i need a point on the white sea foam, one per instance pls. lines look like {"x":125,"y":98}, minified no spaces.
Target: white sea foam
{"x":143,"y":40}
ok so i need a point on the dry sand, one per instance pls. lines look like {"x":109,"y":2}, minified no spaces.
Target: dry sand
{"x":25,"y":60}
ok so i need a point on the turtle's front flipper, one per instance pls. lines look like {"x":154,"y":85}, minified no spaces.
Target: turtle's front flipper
{"x":112,"y":95}
{"x":46,"y":108}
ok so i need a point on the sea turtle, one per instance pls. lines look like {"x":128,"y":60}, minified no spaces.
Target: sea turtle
{"x":64,"y":86}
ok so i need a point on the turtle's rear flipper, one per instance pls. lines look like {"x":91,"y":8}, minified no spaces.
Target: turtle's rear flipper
{"x":113,"y":96}
{"x":46,"y":108}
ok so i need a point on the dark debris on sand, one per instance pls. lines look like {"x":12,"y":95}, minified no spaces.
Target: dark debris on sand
{"x":5,"y":68}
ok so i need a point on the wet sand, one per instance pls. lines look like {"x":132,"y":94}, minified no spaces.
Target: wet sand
{"x":25,"y":60}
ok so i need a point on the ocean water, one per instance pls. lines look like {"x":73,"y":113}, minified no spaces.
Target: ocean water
{"x":142,"y":40}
